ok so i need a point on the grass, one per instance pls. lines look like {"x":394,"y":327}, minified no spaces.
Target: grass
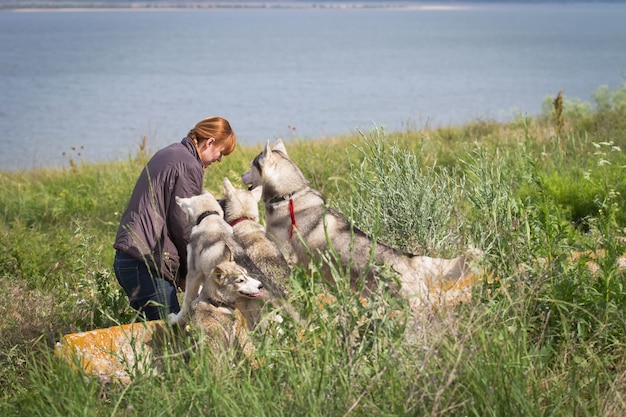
{"x":543,"y":335}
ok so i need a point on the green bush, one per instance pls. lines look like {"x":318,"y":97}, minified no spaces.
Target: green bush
{"x":410,"y":206}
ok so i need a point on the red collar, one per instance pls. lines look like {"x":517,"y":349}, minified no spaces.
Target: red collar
{"x":239,"y":220}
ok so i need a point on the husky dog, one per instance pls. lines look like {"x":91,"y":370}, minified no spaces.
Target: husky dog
{"x":215,"y":311}
{"x":208,"y":245}
{"x":301,"y":223}
{"x":241,"y":211}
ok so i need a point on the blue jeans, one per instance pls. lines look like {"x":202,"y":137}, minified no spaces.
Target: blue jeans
{"x":148,"y":293}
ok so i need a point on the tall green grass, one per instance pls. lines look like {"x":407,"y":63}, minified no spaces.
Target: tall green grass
{"x":543,"y":335}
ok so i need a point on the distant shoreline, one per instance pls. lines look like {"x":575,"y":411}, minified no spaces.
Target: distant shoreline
{"x":242,"y":5}
{"x":173,"y":9}
{"x":25,"y":6}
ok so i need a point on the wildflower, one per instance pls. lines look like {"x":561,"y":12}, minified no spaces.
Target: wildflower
{"x":363,"y":301}
{"x":325,"y":299}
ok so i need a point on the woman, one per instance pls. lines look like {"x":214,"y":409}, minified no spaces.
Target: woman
{"x":151,"y":243}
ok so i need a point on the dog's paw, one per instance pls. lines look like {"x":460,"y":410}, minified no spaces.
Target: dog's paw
{"x":174,"y":318}
{"x":276,"y":318}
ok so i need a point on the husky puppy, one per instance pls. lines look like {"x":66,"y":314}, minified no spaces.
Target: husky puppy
{"x":215,"y":311}
{"x":301,"y":223}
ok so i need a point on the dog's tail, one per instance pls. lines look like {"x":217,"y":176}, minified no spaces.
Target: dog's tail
{"x":444,"y":282}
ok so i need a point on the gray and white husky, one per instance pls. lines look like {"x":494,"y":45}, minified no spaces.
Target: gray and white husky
{"x":241,"y":211}
{"x":215,"y":309}
{"x":301,"y":223}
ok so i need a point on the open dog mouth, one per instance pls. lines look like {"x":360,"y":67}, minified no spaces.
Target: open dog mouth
{"x":254,"y":295}
{"x":248,"y":179}
{"x":249,"y":183}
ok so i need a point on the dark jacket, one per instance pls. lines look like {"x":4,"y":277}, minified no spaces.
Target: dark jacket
{"x":153,"y":228}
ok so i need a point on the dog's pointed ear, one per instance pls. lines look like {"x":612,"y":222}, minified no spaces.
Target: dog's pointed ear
{"x":267,"y":153}
{"x":231,"y":253}
{"x":227,"y":186}
{"x":279,"y":145}
{"x":179,"y":201}
{"x":218,"y":275}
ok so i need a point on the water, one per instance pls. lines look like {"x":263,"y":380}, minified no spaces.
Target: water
{"x":101,"y":80}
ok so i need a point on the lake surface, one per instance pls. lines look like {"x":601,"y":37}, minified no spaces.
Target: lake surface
{"x":101,"y":80}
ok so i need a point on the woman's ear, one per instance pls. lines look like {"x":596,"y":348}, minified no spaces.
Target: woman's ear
{"x":205,"y":144}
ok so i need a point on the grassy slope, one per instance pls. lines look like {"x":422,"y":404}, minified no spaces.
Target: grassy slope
{"x":544,"y":335}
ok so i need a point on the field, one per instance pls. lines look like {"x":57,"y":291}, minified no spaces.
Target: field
{"x":544,"y":334}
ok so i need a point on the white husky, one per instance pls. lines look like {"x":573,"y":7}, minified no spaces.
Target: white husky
{"x":208,"y":246}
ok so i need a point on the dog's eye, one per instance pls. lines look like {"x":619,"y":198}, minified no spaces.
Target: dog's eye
{"x":240,"y":280}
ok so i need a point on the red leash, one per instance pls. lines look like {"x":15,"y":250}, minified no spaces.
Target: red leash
{"x":292,"y":213}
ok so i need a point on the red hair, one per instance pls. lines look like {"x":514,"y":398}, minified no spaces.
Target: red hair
{"x":217,"y":128}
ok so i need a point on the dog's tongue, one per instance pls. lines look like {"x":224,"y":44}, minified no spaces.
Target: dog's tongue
{"x":257,"y":295}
